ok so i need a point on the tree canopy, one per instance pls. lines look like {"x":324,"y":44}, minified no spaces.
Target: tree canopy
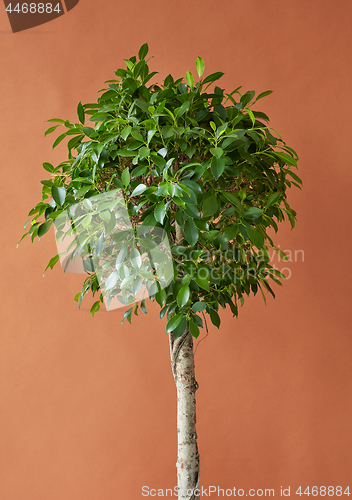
{"x":199,"y":170}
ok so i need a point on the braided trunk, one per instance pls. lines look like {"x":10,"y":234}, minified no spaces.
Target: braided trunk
{"x":182,"y":361}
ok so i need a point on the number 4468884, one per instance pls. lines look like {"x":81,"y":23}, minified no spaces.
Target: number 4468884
{"x":323,"y":491}
{"x":34,"y":8}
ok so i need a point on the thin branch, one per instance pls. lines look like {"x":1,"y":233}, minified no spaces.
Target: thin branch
{"x":206,"y":327}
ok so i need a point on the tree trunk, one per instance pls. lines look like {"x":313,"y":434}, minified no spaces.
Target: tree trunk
{"x":182,"y":362}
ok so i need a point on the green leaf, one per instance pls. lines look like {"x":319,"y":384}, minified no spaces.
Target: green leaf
{"x":136,"y":258}
{"x":215,"y":318}
{"x":190,"y":79}
{"x":162,"y":152}
{"x":44,"y":228}
{"x":202,"y":282}
{"x":199,"y":306}
{"x":173,"y":322}
{"x":256,"y":238}
{"x":277,"y":273}
{"x":193,"y":329}
{"x":290,"y":150}
{"x":129,"y":84}
{"x":86,"y":221}
{"x":111,"y":280}
{"x":200,"y":66}
{"x":263,"y":94}
{"x":50,"y":130}
{"x":82,"y":191}
{"x":95,"y":307}
{"x":197,"y":320}
{"x":126,"y":132}
{"x":59,"y":139}
{"x":281,"y":253}
{"x":139,"y":190}
{"x":127,"y":314}
{"x":47,"y":183}
{"x":87,"y":204}
{"x":253,"y":213}
{"x":185,"y":188}
{"x":251,"y":115}
{"x":73,"y":143}
{"x":217,"y":166}
{"x":218,"y":152}
{"x":23,"y":236}
{"x":180,"y":329}
{"x":59,"y":195}
{"x":160,"y":211}
{"x":56,"y":120}
{"x":230,"y":233}
{"x":183,"y":295}
{"x":182,"y":87}
{"x":191,"y":232}
{"x":167,"y":131}
{"x":144,"y":152}
{"x":80,"y":112}
{"x":178,"y":250}
{"x":125,"y":177}
{"x":210,"y":205}
{"x":88,"y":131}
{"x":234,"y":201}
{"x":247,"y":97}
{"x":99,"y":117}
{"x":213,"y":77}
{"x":211,"y":235}
{"x":48,"y":167}
{"x":137,"y":135}
{"x":273,"y":198}
{"x":294,"y":176}
{"x":201,"y":115}
{"x":181,"y":111}
{"x":286,"y":158}
{"x":221,"y":129}
{"x":99,"y":246}
{"x":34,"y":231}
{"x":192,"y":185}
{"x":267,"y":287}
{"x":143,"y":51}
{"x":159,"y":161}
{"x":136,"y":172}
{"x":192,"y":211}
{"x":160,"y":297}
{"x":143,"y":308}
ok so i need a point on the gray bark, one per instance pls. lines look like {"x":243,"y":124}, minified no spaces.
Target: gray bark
{"x":182,"y":360}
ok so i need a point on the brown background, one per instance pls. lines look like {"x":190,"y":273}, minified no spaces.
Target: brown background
{"x":88,"y":408}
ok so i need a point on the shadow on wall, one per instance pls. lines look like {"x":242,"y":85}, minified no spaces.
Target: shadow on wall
{"x":23,"y":15}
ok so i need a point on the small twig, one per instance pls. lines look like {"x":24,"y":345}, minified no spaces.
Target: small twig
{"x":206,"y":327}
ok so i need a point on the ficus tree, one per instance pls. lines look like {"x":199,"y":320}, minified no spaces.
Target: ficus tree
{"x":171,"y":192}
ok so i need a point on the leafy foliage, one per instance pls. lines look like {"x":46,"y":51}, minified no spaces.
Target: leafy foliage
{"x":203,"y":165}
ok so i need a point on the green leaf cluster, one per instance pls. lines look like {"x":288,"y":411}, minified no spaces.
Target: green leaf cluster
{"x":201,"y":163}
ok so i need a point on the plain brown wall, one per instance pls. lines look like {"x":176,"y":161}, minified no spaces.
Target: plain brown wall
{"x":88,"y":406}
